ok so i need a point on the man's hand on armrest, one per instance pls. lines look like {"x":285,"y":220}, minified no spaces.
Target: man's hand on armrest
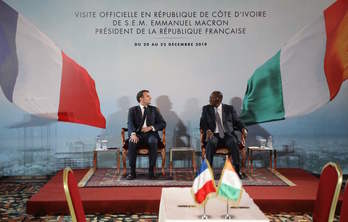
{"x":209,"y":134}
{"x":134,"y":138}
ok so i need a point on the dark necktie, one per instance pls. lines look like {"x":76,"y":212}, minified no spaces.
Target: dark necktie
{"x":146,"y":112}
{"x":219,"y":125}
{"x":144,"y":116}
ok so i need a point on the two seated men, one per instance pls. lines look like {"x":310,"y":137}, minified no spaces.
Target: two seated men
{"x":217,"y":122}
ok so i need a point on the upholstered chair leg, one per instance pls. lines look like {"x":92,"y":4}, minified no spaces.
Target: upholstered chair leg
{"x":244,"y":157}
{"x":163,"y":154}
{"x":124,"y":162}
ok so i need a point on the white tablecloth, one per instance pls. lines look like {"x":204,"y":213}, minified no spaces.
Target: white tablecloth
{"x":177,"y":204}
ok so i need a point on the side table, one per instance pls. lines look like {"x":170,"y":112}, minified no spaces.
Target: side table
{"x":272,"y":156}
{"x":113,"y":150}
{"x":182,"y":149}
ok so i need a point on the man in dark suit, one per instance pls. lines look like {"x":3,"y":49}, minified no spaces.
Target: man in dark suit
{"x":218,"y":122}
{"x":144,"y":122}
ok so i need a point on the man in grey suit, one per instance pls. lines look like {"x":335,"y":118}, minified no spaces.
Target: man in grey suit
{"x":218,"y":122}
{"x":144,"y":122}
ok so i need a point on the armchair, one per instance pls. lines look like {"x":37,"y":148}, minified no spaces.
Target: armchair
{"x":144,"y":150}
{"x":225,"y":151}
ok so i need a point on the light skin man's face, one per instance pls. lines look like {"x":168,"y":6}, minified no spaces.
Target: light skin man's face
{"x":145,"y":99}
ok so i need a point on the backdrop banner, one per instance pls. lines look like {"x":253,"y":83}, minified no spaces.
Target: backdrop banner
{"x":279,"y":63}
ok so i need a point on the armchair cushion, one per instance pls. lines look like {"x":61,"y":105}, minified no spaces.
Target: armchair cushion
{"x":220,"y":149}
{"x":160,"y":146}
{"x":143,"y":149}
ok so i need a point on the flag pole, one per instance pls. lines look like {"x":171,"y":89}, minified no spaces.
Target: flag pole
{"x":227,"y":217}
{"x":204,"y":216}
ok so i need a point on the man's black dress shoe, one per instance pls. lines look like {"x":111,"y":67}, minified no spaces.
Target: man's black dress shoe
{"x":130,"y":177}
{"x":152,"y":176}
{"x":242,"y":176}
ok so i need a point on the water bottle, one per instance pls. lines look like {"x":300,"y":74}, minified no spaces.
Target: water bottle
{"x":104,"y":144}
{"x":98,"y":143}
{"x":269,"y":142}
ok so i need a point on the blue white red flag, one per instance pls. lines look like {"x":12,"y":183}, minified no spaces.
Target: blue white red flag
{"x":204,"y":183}
{"x":40,"y":78}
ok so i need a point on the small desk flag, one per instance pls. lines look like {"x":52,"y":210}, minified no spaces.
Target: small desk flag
{"x":204,"y":183}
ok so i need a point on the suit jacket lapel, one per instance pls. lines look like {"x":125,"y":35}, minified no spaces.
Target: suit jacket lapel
{"x":223,"y":114}
{"x":139,"y":115}
{"x":149,"y":116}
{"x":212,"y":112}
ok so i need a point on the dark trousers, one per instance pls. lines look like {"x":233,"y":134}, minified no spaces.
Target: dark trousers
{"x":149,"y":139}
{"x":229,"y":142}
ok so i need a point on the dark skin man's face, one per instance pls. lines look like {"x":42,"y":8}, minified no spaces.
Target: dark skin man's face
{"x":214,"y":100}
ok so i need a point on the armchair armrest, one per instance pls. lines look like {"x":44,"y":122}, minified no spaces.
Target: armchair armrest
{"x":201,"y":138}
{"x":123,"y":136}
{"x":164,"y":137}
{"x":202,"y":143}
{"x":243,"y":138}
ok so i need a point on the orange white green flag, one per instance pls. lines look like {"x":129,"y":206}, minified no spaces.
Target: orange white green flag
{"x":305,"y":74}
{"x":230,"y":186}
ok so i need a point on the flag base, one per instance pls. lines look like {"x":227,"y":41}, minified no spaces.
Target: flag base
{"x":204,"y":217}
{"x":228,"y":217}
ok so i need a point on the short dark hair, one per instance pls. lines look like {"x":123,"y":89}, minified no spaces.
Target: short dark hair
{"x":141,"y":94}
{"x":218,"y":94}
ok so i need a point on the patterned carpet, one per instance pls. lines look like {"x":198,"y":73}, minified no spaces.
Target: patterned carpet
{"x":15,"y":192}
{"x":181,"y":177}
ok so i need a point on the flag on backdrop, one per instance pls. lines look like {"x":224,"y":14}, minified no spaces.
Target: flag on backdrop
{"x":204,"y":183}
{"x":306,"y":73}
{"x":230,"y":186}
{"x":40,"y":78}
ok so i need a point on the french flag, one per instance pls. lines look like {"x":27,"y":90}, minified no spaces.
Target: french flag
{"x":40,"y":78}
{"x":204,"y":183}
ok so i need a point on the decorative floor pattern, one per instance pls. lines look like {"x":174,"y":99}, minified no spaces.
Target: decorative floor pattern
{"x":181,"y":177}
{"x":293,"y":216}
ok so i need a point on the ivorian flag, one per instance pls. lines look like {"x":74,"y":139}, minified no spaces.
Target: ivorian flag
{"x":230,"y":186}
{"x":204,"y":183}
{"x":305,"y":74}
{"x":40,"y":78}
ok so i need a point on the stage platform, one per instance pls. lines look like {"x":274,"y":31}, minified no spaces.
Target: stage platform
{"x":50,"y":200}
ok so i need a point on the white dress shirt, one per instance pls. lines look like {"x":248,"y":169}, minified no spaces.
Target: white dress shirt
{"x":142,"y":108}
{"x":219,"y":110}
{"x":142,"y":114}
